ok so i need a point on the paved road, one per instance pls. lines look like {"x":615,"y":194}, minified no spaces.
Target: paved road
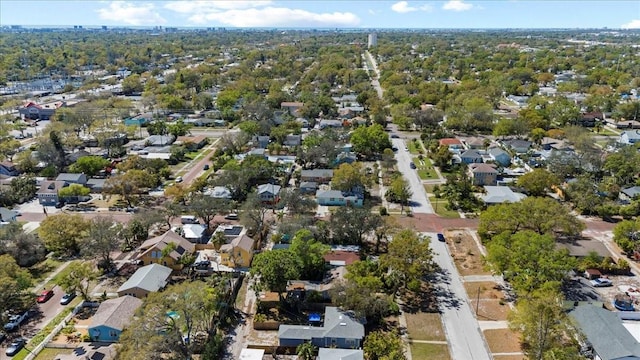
{"x":45,"y":313}
{"x":419,"y":201}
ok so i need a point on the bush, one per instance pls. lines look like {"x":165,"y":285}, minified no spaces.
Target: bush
{"x":383,"y":211}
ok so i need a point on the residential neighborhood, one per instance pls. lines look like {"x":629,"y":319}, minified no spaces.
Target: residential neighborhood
{"x":310,"y":195}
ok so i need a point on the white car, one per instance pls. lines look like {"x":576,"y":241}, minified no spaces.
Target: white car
{"x":601,"y":282}
{"x":179,"y":179}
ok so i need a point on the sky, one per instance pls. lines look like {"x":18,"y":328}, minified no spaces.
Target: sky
{"x":457,"y":14}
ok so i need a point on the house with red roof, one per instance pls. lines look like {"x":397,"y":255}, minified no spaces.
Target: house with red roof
{"x":33,"y":111}
{"x":452,"y":143}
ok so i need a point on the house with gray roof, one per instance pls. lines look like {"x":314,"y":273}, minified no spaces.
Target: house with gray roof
{"x":72,"y":178}
{"x":340,"y":330}
{"x":339,"y":198}
{"x":7,"y":215}
{"x":471,"y":157}
{"x":159,"y":140}
{"x":518,"y":145}
{"x":112,"y":317}
{"x":629,"y":137}
{"x":269,"y":193}
{"x":628,"y":194}
{"x":145,"y":280}
{"x":500,"y":156}
{"x":605,"y":332}
{"x":321,"y":176}
{"x":500,"y":195}
{"x":340,"y":354}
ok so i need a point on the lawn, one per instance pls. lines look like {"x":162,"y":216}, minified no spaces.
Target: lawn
{"x":414,"y":147}
{"x":41,"y":270}
{"x":51,"y":353}
{"x":425,"y":326}
{"x":426,"y":171}
{"x":502,"y":341}
{"x":439,"y":206}
{"x":421,"y":351}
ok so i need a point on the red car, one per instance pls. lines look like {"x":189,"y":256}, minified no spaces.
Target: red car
{"x":46,"y":295}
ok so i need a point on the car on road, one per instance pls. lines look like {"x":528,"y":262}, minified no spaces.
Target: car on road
{"x":406,"y":148}
{"x":15,"y":321}
{"x":601,"y":282}
{"x":44,"y":296}
{"x":179,"y":179}
{"x":206,"y":167}
{"x":3,"y":337}
{"x":15,"y":347}
{"x":395,"y":136}
{"x":66,"y":298}
{"x":412,"y":165}
{"x":441,"y":237}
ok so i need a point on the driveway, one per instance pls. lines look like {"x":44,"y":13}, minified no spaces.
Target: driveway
{"x":419,"y":202}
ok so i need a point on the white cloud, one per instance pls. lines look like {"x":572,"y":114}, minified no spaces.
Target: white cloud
{"x":257,"y":13}
{"x":130,"y":14}
{"x":427,"y":8}
{"x":633,"y":24}
{"x":403,"y":7}
{"x":457,"y":5}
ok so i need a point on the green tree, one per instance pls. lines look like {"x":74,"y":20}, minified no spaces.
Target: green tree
{"x":370,"y":140}
{"x":362,"y":299}
{"x":73,"y":191}
{"x":306,"y":351}
{"x":62,"y":232}
{"x":381,"y":345}
{"x":90,"y":165}
{"x":14,"y":281}
{"x":399,"y":191}
{"x":310,"y":254}
{"x":206,"y":207}
{"x":103,"y":238}
{"x":132,"y":84}
{"x":179,"y":128}
{"x":77,"y":277}
{"x":348,"y":177}
{"x":442,"y":157}
{"x":538,"y":182}
{"x":409,"y":259}
{"x":626,"y":234}
{"x":274,"y":269}
{"x":350,"y":225}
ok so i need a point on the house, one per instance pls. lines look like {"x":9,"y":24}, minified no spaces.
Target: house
{"x":173,"y":245}
{"x":112,"y":317}
{"x":139,"y":120}
{"x":71,"y":178}
{"x":475,"y":143}
{"x":194,"y":233}
{"x":326,"y":123}
{"x":308,"y":187}
{"x":340,"y":330}
{"x":269,"y":193}
{"x":471,"y":157}
{"x":320,"y":176}
{"x":219,"y":192}
{"x":605,"y":332}
{"x":292,"y":140}
{"x":500,"y":195}
{"x":518,"y":146}
{"x":48,"y":192}
{"x":589,"y":119}
{"x":33,"y":111}
{"x":628,"y":194}
{"x":451,"y":143}
{"x":7,"y":215}
{"x":548,"y":143}
{"x":339,"y":198}
{"x":629,"y":137}
{"x":626,"y":124}
{"x":292,"y":107}
{"x":145,"y":280}
{"x":345,"y":158}
{"x":192,"y":142}
{"x":159,"y":140}
{"x":230,"y":232}
{"x":340,"y":354}
{"x":483,"y":174}
{"x":520,"y":101}
{"x":96,"y":185}
{"x":500,"y":156}
{"x":251,"y":354}
{"x":261,"y":152}
{"x":261,"y":141}
{"x":238,"y":253}
{"x":581,"y":248}
{"x":340,"y":257}
{"x":7,"y":168}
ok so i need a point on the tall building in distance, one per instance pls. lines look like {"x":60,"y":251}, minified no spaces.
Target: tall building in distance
{"x":373,"y":40}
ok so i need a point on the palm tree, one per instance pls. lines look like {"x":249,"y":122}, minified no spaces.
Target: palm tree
{"x":306,"y":351}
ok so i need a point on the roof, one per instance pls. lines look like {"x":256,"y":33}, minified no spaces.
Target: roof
{"x":269,"y":188}
{"x":582,"y":247}
{"x":193,"y":231}
{"x":518,"y":143}
{"x":309,"y":184}
{"x":243,"y":242}
{"x":220,"y":192}
{"x":329,"y":194}
{"x":51,"y":187}
{"x":291,"y":104}
{"x":495,"y":151}
{"x":251,"y":354}
{"x":501,"y":194}
{"x":450,"y":141}
{"x":337,"y":324}
{"x":6,"y":214}
{"x":340,"y":354}
{"x":317,"y":173}
{"x":632,"y":191}
{"x":162,"y":241}
{"x":116,"y":313}
{"x":159,"y":140}
{"x":71,"y":177}
{"x":197,"y":139}
{"x":604,"y":330}
{"x":471,"y":154}
{"x":482,"y":168}
{"x":341,"y":258}
{"x":150,"y":278}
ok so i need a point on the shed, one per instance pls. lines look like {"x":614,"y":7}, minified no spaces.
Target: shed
{"x":145,"y":280}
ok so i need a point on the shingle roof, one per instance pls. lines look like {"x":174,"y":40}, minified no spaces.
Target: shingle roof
{"x":162,"y":241}
{"x":150,"y":278}
{"x":340,"y":354}
{"x":604,"y":330}
{"x":269,"y":188}
{"x":116,"y":313}
{"x":501,"y":194}
{"x":337,"y":324}
{"x":632,"y":191}
{"x":316,"y":173}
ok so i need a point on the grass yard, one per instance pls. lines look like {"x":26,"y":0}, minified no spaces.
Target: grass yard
{"x":414,"y":147}
{"x":439,"y":206}
{"x":51,"y":353}
{"x":425,"y":326}
{"x":41,"y":270}
{"x":420,"y":351}
{"x":465,"y":252}
{"x":502,"y":340}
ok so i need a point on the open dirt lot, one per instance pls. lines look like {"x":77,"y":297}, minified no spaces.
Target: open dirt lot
{"x":509,"y":357}
{"x":465,"y":252}
{"x":502,"y":340}
{"x":425,"y":326}
{"x":621,"y":284}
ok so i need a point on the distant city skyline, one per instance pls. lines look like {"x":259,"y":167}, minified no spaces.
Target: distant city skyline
{"x":456,"y":14}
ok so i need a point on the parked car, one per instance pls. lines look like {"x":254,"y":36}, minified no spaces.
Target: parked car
{"x":412,"y":165}
{"x":232,"y":216}
{"x":15,"y":321}
{"x":44,"y":296}
{"x":3,"y":336}
{"x":395,"y":136}
{"x":601,"y":282}
{"x":15,"y":346}
{"x":441,"y":237}
{"x":66,"y":298}
{"x":206,"y":167}
{"x":179,"y":179}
